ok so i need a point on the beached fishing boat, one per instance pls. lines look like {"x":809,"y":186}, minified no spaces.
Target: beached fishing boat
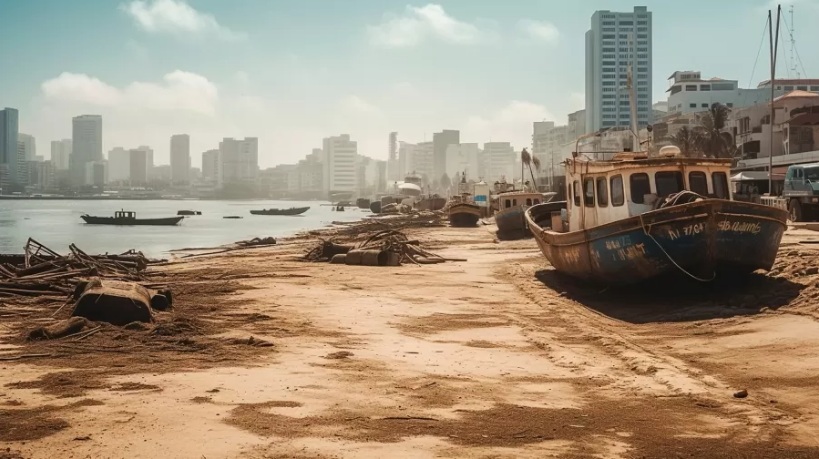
{"x":290,"y":211}
{"x":464,"y":214}
{"x":631,"y":218}
{"x":127,"y":218}
{"x":362,"y":203}
{"x":511,"y":206}
{"x":430,"y":202}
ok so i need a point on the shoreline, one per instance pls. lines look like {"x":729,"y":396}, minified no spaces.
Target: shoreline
{"x":494,"y":356}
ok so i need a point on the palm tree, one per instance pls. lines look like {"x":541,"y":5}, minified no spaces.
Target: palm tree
{"x":688,"y":141}
{"x":536,"y":164}
{"x":714,"y":143}
{"x":526,"y":159}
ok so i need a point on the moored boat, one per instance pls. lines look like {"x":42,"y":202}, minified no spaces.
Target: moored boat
{"x":464,"y":214}
{"x":511,"y":206}
{"x":127,"y":218}
{"x":633,"y":218}
{"x":362,"y":203}
{"x":290,"y":211}
{"x":188,"y":212}
{"x":430,"y":202}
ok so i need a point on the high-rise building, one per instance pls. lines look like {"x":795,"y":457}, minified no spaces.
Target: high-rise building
{"x":180,"y":159}
{"x":10,"y":170}
{"x":60,"y":154}
{"x":499,"y":160}
{"x":210,"y":166}
{"x":340,"y":160}
{"x":393,"y":168}
{"x":463,"y":158}
{"x":23,"y":175}
{"x":138,"y":167}
{"x":616,"y":43}
{"x":119,"y":165}
{"x":238,"y":160}
{"x":87,"y":146}
{"x":440,"y":142}
{"x":29,"y":144}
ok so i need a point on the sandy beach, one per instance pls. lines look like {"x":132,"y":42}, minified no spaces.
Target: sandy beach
{"x":497,"y":356}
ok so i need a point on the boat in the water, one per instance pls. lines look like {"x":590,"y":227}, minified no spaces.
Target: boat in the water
{"x":189,"y":212}
{"x":632,"y":218}
{"x":232,"y":217}
{"x":362,"y":203}
{"x":128,"y":218}
{"x":290,"y":211}
{"x":511,"y":206}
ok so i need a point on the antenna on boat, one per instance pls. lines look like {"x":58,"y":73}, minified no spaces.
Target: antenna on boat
{"x":632,"y":102}
{"x":774,"y":44}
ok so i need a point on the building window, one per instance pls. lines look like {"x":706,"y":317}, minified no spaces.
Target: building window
{"x":642,"y":35}
{"x":602,"y":192}
{"x":626,"y":23}
{"x":704,"y":105}
{"x":675,"y":89}
{"x":642,"y":29}
{"x":640,"y":187}
{"x":788,"y":88}
{"x":608,"y":50}
{"x":642,"y":42}
{"x":722,"y":87}
{"x":698,"y":183}
{"x":608,"y":89}
{"x":705,"y":87}
{"x":617,"y":197}
{"x":692,"y":105}
{"x":608,"y":29}
{"x":608,"y":83}
{"x":814,"y":88}
{"x":642,"y":69}
{"x":608,"y":77}
{"x":608,"y":69}
{"x":624,"y":49}
{"x":690,"y":87}
{"x":608,"y":37}
{"x":609,"y":62}
{"x":642,"y":22}
{"x":729,"y":105}
{"x":802,"y":88}
{"x":608,"y":123}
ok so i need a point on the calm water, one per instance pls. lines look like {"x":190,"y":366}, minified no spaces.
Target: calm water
{"x":57,"y":224}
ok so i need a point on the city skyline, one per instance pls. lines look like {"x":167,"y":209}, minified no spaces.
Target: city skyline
{"x":386,"y":66}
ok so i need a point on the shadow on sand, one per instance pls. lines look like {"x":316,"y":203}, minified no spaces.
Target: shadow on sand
{"x":513,"y":235}
{"x":677,"y":299}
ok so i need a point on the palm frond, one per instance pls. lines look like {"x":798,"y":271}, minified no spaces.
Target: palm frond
{"x":525,"y":157}
{"x":536,"y":162}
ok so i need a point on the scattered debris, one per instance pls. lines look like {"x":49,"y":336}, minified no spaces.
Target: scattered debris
{"x":382,"y":248}
{"x":741,"y":394}
{"x":257,"y":241}
{"x":60,"y":329}
{"x":338,"y":355}
{"x":115,"y":302}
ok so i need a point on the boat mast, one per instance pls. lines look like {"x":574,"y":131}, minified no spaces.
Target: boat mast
{"x":632,"y":97}
{"x":774,"y":45}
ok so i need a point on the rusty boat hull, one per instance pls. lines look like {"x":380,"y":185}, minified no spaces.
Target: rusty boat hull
{"x":464,"y":214}
{"x":702,"y":239}
{"x":511,"y":220}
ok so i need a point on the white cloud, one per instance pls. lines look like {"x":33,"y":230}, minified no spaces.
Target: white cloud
{"x":511,"y":123}
{"x":418,"y":24}
{"x":541,"y":31}
{"x":176,"y":17}
{"x":179,"y":91}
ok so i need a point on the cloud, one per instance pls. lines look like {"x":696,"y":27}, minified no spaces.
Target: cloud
{"x":540,"y":31}
{"x":179,"y":91}
{"x":176,"y":17}
{"x":511,"y":123}
{"x":418,"y":24}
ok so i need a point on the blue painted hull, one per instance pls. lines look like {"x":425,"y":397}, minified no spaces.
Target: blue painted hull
{"x":700,"y":239}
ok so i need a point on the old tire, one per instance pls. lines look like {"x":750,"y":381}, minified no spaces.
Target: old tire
{"x":795,"y":209}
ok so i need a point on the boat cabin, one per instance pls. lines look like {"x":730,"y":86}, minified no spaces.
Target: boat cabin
{"x":603,"y":191}
{"x":518,"y":198}
{"x":125,"y":214}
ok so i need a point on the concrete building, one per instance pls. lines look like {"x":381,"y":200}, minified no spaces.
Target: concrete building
{"x":393,"y":167}
{"x":87,"y":146}
{"x":463,"y":157}
{"x":576,"y":126}
{"x":23,"y":166}
{"x":499,"y":159}
{"x":96,"y":173}
{"x":788,"y":85}
{"x":10,"y":170}
{"x":119,"y":165}
{"x":340,"y":164}
{"x":46,"y":176}
{"x":29,"y":145}
{"x":615,"y":42}
{"x":416,"y":158}
{"x":689,"y":93}
{"x":60,"y":153}
{"x":138,"y":167}
{"x":238,"y":160}
{"x":210,"y":166}
{"x":311,"y":173}
{"x":371,"y":175}
{"x":180,"y":159}
{"x":440,"y":142}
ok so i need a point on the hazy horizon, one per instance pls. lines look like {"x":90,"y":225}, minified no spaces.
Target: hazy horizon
{"x":292,"y":73}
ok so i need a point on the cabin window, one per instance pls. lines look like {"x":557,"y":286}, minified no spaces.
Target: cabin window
{"x":640,"y":187}
{"x":588,"y":196}
{"x":668,"y":182}
{"x":537,"y":201}
{"x":720,"y":184}
{"x":528,"y":201}
{"x":617,"y":195}
{"x":508,"y":203}
{"x":514,"y":202}
{"x":602,"y":192}
{"x":577,"y":193}
{"x":698,"y":182}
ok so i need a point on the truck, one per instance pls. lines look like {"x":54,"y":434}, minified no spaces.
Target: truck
{"x":801,"y":192}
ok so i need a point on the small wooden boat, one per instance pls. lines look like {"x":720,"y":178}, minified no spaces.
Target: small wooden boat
{"x":433,"y":202}
{"x":127,"y":218}
{"x":290,"y":211}
{"x":634,"y":218}
{"x":188,"y":212}
{"x":362,"y":203}
{"x":232,"y":217}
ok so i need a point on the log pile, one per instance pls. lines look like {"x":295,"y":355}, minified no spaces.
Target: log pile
{"x":44,"y":272}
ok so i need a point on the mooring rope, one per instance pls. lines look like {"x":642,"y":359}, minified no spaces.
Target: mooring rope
{"x":648,"y":233}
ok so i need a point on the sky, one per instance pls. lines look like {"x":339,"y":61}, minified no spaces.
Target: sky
{"x":292,"y":72}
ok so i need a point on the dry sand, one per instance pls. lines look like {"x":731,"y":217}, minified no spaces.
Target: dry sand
{"x":494,"y":357}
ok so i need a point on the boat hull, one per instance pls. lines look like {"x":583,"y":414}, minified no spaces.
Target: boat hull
{"x":291,"y":211}
{"x":170,"y":221}
{"x":464,"y":215}
{"x":702,"y":239}
{"x":431,"y":203}
{"x":511,"y":220}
